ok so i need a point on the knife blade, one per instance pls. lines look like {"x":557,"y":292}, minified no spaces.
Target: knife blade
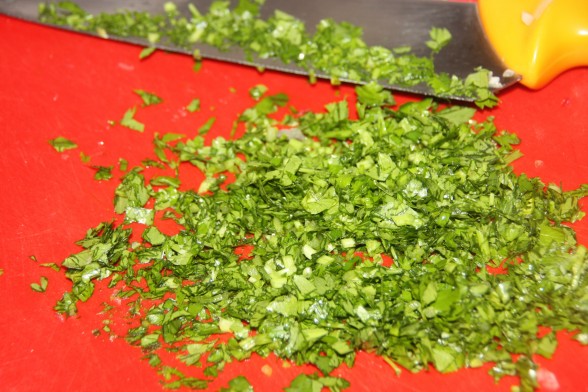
{"x":387,"y":23}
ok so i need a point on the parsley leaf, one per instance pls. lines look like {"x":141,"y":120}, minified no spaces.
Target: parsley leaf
{"x":129,"y":121}
{"x":40,"y":287}
{"x":103,"y":173}
{"x":336,"y":50}
{"x":60,"y":144}
{"x":238,"y":384}
{"x":440,"y":37}
{"x":146,"y":52}
{"x":193,"y":106}
{"x":148,"y":98}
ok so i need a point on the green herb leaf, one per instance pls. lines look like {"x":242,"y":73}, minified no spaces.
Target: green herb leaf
{"x":238,"y":384}
{"x":204,"y":129}
{"x":103,"y":173}
{"x":85,"y":158}
{"x":60,"y":144}
{"x":256,"y":92}
{"x":193,"y":106}
{"x":440,"y":37}
{"x":53,"y":266}
{"x":335,"y":50}
{"x":146,"y":52}
{"x":129,"y":121}
{"x":40,"y":287}
{"x":123,"y":164}
{"x":148,"y":98}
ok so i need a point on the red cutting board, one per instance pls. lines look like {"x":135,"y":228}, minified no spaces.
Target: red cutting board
{"x":55,"y":83}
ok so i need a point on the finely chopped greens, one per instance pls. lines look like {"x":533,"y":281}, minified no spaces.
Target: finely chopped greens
{"x":336,"y":50}
{"x":293,"y":256}
{"x":402,"y":231}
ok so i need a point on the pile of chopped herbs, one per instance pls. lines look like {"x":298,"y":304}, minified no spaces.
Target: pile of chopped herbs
{"x":335,"y":50}
{"x":402,"y":232}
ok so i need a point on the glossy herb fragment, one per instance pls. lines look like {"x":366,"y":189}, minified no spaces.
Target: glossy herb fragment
{"x":379,"y":233}
{"x":84,"y":157}
{"x":148,"y":98}
{"x":40,"y":287}
{"x":193,"y":106}
{"x":314,"y":382}
{"x":146,"y":52}
{"x":60,"y":144}
{"x":129,"y":121}
{"x":103,"y":173}
{"x":336,"y":49}
{"x":238,"y":384}
{"x":53,"y":266}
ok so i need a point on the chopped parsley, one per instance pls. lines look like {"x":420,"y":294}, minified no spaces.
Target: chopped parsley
{"x":148,"y":98}
{"x":439,"y":39}
{"x":146,"y":52}
{"x":193,"y":106}
{"x":336,"y":50}
{"x":53,"y":266}
{"x":60,"y":144}
{"x":84,"y":157}
{"x":336,"y":234}
{"x":40,"y":287}
{"x":256,"y":92}
{"x":238,"y":384}
{"x":129,"y":121}
{"x":103,"y":173}
{"x":123,"y":164}
{"x":315,"y":383}
{"x":376,"y":233}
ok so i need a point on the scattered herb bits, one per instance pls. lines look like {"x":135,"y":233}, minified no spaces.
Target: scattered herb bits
{"x":102,"y":173}
{"x":381,"y":233}
{"x":335,"y":50}
{"x":378,"y":233}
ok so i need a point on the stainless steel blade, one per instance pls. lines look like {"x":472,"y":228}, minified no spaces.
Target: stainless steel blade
{"x":388,"y":23}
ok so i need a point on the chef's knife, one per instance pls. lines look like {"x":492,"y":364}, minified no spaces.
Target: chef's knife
{"x":530,"y":41}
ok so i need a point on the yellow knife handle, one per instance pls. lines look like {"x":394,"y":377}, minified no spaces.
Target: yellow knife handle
{"x":537,"y":39}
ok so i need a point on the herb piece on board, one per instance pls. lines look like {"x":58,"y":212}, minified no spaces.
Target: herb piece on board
{"x":314,"y":382}
{"x":238,"y":384}
{"x":148,"y":98}
{"x":123,"y":164}
{"x":84,"y":157}
{"x":146,"y":52}
{"x":103,"y":173}
{"x":60,"y":144}
{"x":193,"y":106}
{"x":53,"y":266}
{"x":257,"y":91}
{"x":40,"y":287}
{"x":375,"y":233}
{"x":130,"y":122}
